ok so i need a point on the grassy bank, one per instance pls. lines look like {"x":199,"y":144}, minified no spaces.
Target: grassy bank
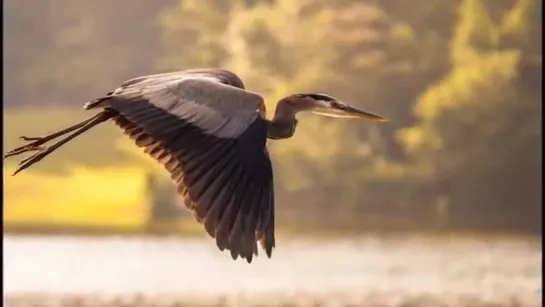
{"x":89,"y":198}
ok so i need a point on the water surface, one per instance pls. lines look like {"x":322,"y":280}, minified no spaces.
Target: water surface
{"x":389,"y":270}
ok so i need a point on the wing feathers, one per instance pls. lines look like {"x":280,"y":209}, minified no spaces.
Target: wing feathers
{"x":240,"y":231}
{"x":212,"y":191}
{"x":221,"y":215}
{"x":217,"y":160}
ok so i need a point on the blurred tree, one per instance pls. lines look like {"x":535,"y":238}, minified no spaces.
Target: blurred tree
{"x":84,"y":50}
{"x":19,"y":22}
{"x":192,"y":33}
{"x":479,"y":130}
{"x":278,"y":47}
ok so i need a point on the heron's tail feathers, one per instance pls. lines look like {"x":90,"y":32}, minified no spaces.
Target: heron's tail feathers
{"x":43,"y":151}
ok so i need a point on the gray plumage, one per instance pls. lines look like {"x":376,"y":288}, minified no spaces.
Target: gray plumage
{"x":210,"y":134}
{"x":197,"y":124}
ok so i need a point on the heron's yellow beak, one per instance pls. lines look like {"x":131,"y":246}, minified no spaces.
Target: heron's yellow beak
{"x":342,"y":110}
{"x":362,"y":114}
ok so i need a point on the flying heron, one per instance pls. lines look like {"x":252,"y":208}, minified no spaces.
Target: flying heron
{"x":210,"y":134}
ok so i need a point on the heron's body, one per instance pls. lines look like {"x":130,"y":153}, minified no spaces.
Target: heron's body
{"x":210,"y":134}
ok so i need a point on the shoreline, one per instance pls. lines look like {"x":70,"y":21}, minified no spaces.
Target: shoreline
{"x":194,"y":231}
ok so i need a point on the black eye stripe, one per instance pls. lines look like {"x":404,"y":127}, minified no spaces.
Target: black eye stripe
{"x":338,"y":105}
{"x":323,"y":97}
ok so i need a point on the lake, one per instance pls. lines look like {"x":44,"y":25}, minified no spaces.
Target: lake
{"x":360,"y":271}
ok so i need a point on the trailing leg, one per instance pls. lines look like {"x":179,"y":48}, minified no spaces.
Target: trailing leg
{"x":37,"y":141}
{"x":45,"y":151}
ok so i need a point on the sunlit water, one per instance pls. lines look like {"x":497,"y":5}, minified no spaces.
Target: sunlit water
{"x":390,"y":270}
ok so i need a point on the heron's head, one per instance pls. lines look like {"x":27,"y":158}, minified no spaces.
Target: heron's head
{"x":326,"y":105}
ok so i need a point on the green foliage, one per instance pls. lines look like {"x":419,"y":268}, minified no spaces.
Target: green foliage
{"x":478,"y":130}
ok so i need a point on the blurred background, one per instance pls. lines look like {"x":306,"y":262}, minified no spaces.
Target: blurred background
{"x":441,"y":206}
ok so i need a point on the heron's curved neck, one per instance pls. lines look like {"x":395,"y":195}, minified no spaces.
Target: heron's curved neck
{"x":283,"y":124}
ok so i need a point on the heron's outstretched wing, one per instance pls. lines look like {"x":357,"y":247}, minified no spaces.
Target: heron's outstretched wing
{"x":212,"y":139}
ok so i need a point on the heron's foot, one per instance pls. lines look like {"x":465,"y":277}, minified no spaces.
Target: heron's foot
{"x":33,"y":159}
{"x":33,"y":146}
